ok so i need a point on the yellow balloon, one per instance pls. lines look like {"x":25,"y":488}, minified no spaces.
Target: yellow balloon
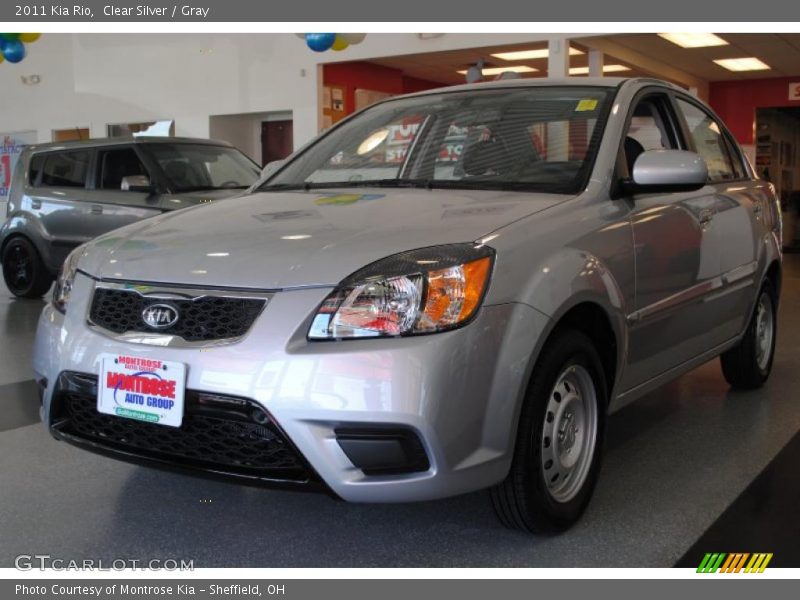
{"x":29,"y":37}
{"x":340,"y":44}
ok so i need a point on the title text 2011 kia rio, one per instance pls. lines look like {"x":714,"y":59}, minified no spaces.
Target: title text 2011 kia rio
{"x":447,"y":292}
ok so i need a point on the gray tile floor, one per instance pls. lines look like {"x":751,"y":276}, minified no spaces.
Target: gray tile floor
{"x":674,"y":461}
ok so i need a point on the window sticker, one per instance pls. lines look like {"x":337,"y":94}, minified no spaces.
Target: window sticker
{"x":587,"y":104}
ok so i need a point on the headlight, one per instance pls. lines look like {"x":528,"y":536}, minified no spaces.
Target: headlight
{"x":422,"y":291}
{"x":66,"y":278}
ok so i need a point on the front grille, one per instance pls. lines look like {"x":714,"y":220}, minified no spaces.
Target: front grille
{"x":201,"y":319}
{"x":226,"y":434}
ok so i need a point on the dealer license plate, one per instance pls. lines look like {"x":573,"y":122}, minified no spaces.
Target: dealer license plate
{"x":144,"y":389}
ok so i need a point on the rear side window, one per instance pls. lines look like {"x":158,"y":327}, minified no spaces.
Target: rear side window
{"x":117,"y":164}
{"x":65,"y":169}
{"x":709,"y":142}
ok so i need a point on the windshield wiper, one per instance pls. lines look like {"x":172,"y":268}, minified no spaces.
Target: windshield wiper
{"x":428,"y":184}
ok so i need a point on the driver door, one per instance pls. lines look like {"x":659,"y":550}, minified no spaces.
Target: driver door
{"x":677,"y":256}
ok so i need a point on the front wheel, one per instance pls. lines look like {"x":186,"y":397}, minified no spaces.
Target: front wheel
{"x":23,"y":270}
{"x":557,"y":454}
{"x":748,"y":365}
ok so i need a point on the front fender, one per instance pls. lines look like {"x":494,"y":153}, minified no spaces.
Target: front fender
{"x":572,"y":277}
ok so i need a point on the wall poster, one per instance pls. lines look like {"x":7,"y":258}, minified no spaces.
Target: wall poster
{"x":12,"y":145}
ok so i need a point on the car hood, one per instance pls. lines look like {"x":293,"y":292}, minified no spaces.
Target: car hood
{"x":281,"y":240}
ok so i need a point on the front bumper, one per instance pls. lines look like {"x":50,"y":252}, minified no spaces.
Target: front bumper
{"x":458,"y":392}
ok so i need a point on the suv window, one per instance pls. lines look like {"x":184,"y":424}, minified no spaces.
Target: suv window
{"x":709,"y":141}
{"x":114,"y":165}
{"x":190,"y":167}
{"x":35,"y":168}
{"x":65,"y":169}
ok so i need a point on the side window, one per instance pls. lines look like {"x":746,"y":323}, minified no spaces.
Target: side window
{"x":650,"y":129}
{"x":65,"y":169}
{"x":114,"y":165}
{"x":35,"y":168}
{"x":739,"y":169}
{"x":709,"y":142}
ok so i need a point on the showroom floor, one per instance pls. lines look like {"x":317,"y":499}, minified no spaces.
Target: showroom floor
{"x":688,"y":468}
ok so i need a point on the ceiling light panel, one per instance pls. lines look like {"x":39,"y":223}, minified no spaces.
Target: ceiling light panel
{"x":742,"y":64}
{"x":694,"y":40}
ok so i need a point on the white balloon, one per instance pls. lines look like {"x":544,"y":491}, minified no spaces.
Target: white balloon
{"x":353,"y":38}
{"x":302,"y":36}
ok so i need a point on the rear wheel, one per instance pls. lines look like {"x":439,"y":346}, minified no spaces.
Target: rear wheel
{"x":23,"y":270}
{"x":557,"y":454}
{"x":748,"y":365}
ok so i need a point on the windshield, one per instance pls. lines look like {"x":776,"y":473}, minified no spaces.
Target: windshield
{"x":541,"y":138}
{"x":194,"y":167}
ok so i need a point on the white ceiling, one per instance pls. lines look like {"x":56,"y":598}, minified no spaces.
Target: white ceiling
{"x":646,"y":54}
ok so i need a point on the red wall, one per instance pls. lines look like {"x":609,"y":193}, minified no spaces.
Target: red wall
{"x":368,"y":76}
{"x":736,"y":102}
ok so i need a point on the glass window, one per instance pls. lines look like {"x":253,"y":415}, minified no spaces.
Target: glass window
{"x":709,"y":141}
{"x":195,"y":167}
{"x":116,"y":164}
{"x":541,"y":138}
{"x":65,"y":169}
{"x":648,"y":128}
{"x":35,"y":168}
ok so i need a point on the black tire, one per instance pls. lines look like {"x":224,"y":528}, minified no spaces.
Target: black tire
{"x":745,"y":366}
{"x":23,"y":270}
{"x":523,"y":500}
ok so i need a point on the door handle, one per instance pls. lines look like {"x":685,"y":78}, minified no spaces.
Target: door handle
{"x":96,"y":209}
{"x":757,"y":208}
{"x":706,"y":216}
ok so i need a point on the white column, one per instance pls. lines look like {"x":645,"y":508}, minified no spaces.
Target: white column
{"x":595,"y":63}
{"x":558,"y":58}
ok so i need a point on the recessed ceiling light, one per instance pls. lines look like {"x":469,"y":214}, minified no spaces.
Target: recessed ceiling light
{"x":694,"y":40}
{"x":510,"y":68}
{"x":606,"y":69}
{"x":742,"y":64}
{"x":531,"y":54}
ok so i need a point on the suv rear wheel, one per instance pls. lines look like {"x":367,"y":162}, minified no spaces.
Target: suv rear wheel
{"x":748,"y":365}
{"x":23,"y":270}
{"x":557,"y":453}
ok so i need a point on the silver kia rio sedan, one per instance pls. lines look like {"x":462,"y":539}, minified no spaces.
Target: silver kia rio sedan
{"x":447,"y":292}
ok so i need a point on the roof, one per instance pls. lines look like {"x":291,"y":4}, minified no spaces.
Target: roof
{"x":101,"y":142}
{"x":609,"y":82}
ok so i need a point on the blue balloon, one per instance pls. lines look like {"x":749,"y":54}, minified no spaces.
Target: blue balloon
{"x":14,"y":51}
{"x":319,"y":42}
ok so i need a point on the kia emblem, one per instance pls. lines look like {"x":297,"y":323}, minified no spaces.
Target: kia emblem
{"x":160,"y":316}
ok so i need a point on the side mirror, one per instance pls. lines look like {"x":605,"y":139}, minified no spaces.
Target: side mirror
{"x":658,"y":171}
{"x":271,"y":167}
{"x":137,"y":183}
